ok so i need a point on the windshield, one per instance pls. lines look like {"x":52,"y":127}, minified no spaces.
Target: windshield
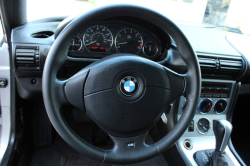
{"x":229,"y":15}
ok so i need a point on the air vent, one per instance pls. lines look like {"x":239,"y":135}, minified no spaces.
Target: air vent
{"x":230,"y":67}
{"x":27,"y":58}
{"x":220,"y":66}
{"x":208,"y":65}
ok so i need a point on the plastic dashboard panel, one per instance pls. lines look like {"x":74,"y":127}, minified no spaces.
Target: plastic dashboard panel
{"x":23,"y":33}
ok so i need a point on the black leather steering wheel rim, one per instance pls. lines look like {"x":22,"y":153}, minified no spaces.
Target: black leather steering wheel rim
{"x":54,"y":95}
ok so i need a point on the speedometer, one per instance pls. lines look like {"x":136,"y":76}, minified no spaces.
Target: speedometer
{"x":128,"y":40}
{"x":98,"y":38}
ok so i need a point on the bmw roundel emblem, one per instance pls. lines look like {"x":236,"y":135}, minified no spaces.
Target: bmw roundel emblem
{"x":129,"y":85}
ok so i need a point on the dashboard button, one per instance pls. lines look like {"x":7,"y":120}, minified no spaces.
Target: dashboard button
{"x":220,"y":106}
{"x":208,"y":95}
{"x":217,"y":88}
{"x":191,"y":126}
{"x":210,"y":88}
{"x":216,"y":96}
{"x":205,"y":106}
{"x":223,"y":96}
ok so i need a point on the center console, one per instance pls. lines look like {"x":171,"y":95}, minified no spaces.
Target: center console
{"x":214,"y":104}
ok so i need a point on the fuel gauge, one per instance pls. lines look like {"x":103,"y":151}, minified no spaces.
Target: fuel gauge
{"x":150,"y":49}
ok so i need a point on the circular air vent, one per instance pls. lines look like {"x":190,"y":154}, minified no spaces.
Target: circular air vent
{"x":43,"y":34}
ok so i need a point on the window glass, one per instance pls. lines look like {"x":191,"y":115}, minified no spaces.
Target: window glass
{"x":229,"y":15}
{"x":1,"y":29}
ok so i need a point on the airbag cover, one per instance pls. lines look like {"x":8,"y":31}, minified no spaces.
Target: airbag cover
{"x":116,"y":113}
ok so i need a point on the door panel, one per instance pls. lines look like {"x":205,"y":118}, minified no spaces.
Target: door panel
{"x":5,"y":122}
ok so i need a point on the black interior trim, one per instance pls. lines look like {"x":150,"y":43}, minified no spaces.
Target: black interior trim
{"x":230,"y":116}
{"x":244,"y":89}
{"x":19,"y":12}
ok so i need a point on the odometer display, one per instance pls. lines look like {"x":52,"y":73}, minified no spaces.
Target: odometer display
{"x":128,"y":40}
{"x":98,"y":38}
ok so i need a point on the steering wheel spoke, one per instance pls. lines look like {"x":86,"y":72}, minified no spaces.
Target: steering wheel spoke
{"x":128,"y":147}
{"x":177,"y":84}
{"x":74,"y":89}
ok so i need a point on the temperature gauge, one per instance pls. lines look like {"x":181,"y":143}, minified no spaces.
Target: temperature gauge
{"x":150,"y":49}
{"x":76,"y":44}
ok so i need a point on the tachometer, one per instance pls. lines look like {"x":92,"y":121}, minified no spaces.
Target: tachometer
{"x":98,"y":38}
{"x":128,"y":40}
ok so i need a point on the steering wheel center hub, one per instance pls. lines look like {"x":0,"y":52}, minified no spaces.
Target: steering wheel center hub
{"x":121,"y":96}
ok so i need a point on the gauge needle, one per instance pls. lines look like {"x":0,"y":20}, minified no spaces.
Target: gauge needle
{"x":123,"y":43}
{"x":91,"y":42}
{"x":204,"y":128}
{"x":150,"y":48}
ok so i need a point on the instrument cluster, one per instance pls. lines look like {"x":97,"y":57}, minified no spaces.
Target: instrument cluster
{"x":104,"y":39}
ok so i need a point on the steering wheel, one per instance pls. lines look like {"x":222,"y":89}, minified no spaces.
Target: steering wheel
{"x":124,"y":94}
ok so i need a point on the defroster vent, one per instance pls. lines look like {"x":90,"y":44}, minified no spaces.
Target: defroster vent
{"x":27,"y":58}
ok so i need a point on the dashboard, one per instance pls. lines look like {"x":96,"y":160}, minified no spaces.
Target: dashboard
{"x":31,"y":44}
